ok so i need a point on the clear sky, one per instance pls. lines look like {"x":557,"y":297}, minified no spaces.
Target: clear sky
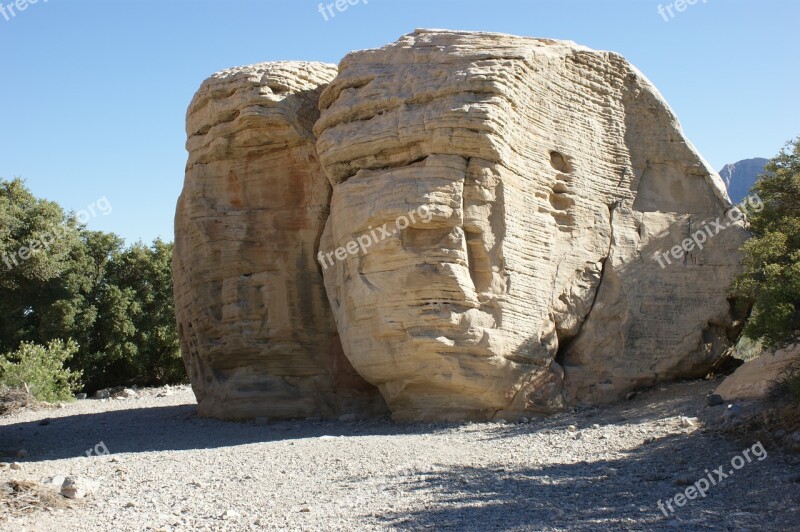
{"x":94,"y":92}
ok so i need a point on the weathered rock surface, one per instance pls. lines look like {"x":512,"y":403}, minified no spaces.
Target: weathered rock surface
{"x":553,"y":174}
{"x":257,"y":334}
{"x":756,"y":378}
{"x":510,"y":196}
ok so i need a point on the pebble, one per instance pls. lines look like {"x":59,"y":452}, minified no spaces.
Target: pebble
{"x":75,"y":487}
{"x":714,"y":400}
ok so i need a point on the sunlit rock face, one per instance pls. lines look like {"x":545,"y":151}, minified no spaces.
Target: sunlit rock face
{"x":544,"y":177}
{"x":257,"y":333}
{"x":465,"y":225}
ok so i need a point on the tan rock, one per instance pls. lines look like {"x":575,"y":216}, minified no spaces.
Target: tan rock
{"x":257,"y":334}
{"x":545,"y":177}
{"x":756,"y":378}
{"x":79,"y":487}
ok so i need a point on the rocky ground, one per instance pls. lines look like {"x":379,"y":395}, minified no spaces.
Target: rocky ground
{"x":593,"y":469}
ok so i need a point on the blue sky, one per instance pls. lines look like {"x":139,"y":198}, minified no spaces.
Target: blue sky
{"x":94,"y":92}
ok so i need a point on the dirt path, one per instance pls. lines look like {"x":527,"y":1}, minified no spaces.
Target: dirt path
{"x":595,"y":469}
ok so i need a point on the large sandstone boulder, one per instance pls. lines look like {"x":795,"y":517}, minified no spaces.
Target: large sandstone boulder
{"x":499,"y":215}
{"x":552,"y":174}
{"x":257,"y":334}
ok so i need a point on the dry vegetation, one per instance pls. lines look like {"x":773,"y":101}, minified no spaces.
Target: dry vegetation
{"x":19,"y":497}
{"x":12,"y":399}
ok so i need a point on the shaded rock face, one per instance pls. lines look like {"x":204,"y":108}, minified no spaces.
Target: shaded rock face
{"x":257,"y":334}
{"x":546,"y":179}
{"x":553,"y":174}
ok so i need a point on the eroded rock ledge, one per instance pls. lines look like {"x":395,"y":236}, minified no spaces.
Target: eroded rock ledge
{"x":551,"y":174}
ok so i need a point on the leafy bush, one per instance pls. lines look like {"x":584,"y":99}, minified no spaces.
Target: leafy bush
{"x":747,"y":349}
{"x":771,"y":279}
{"x":41,"y":370}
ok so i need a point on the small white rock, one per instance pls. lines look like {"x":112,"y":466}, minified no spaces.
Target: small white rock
{"x":78,"y":487}
{"x":126,"y":393}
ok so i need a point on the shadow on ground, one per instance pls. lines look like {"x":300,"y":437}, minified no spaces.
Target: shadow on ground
{"x":620,"y":494}
{"x":600,"y":494}
{"x":176,"y":428}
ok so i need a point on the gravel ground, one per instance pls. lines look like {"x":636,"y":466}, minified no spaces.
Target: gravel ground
{"x":592,"y":469}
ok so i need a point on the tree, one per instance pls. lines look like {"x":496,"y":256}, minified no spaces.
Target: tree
{"x":38,"y":243}
{"x":134,"y":339}
{"x":59,"y":281}
{"x":771,"y":279}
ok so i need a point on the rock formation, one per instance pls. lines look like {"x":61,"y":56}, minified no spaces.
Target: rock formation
{"x":257,"y":334}
{"x":502,"y":235}
{"x":758,"y":377}
{"x":740,"y":177}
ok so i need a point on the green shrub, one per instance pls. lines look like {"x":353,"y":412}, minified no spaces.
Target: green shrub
{"x":41,"y":369}
{"x":747,"y":348}
{"x":771,"y":277}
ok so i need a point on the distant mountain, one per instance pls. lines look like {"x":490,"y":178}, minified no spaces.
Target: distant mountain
{"x":740,"y":177}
